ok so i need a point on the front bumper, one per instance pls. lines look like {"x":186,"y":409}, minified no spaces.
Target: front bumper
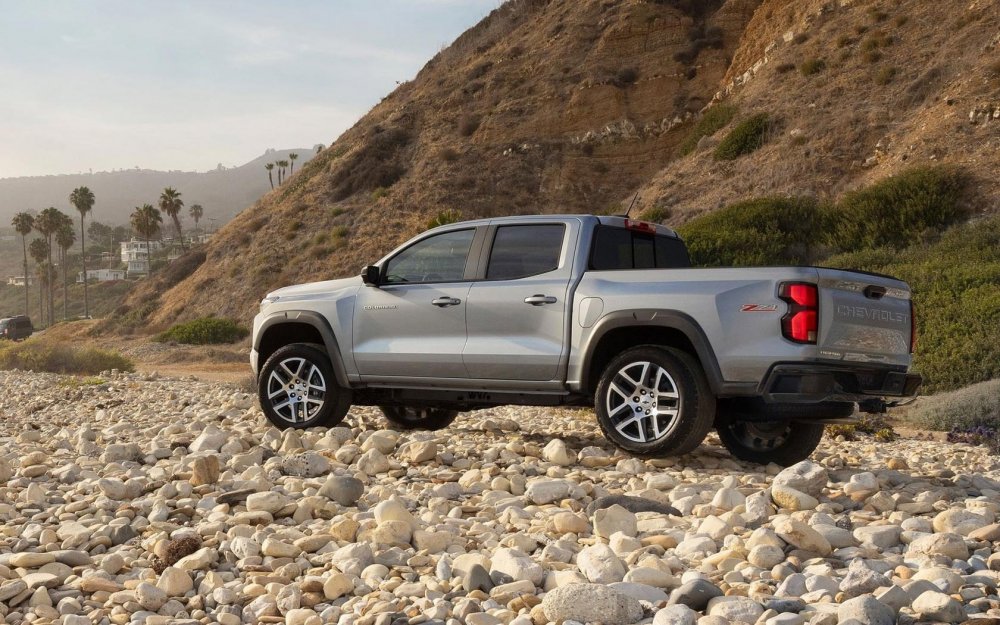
{"x":814,"y":383}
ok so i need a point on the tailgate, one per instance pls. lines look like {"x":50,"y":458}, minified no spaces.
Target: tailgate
{"x":864,"y":317}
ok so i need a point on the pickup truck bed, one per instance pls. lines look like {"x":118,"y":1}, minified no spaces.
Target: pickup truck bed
{"x":584,"y":310}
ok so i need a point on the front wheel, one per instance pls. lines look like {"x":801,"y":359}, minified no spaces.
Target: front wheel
{"x":654,"y":401}
{"x":414,"y":418}
{"x":781,"y":442}
{"x":297,"y":389}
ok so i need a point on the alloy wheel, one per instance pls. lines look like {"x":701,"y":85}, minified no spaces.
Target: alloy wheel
{"x":643,"y":402}
{"x":296,"y":389}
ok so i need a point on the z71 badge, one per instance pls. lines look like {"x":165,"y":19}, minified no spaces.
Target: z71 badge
{"x":759,"y":308}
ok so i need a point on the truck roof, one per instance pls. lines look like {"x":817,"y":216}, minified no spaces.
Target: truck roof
{"x":618,"y":221}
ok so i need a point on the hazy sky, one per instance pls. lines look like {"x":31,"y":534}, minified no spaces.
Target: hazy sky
{"x":105,"y":84}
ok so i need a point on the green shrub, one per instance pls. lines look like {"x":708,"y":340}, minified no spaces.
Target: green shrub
{"x":710,"y":122}
{"x":746,"y":137}
{"x":655,"y":214}
{"x":956,"y":291}
{"x":966,"y":408}
{"x":812,"y":66}
{"x":899,"y":210}
{"x":339,"y":232}
{"x":765,"y":231}
{"x":378,"y":193}
{"x":449,"y":216}
{"x":40,"y":355}
{"x":205,"y":331}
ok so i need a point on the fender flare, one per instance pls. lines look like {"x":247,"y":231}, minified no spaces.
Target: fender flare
{"x":668,"y":319}
{"x":321,"y":325}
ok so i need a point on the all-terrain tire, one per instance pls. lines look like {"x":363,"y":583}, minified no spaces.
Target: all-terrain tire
{"x":298,"y":389}
{"x":654,"y":401}
{"x":414,"y":418}
{"x":783,"y":442}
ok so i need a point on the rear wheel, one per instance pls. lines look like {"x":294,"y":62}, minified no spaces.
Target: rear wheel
{"x":297,"y":389}
{"x":654,"y":401}
{"x":781,"y":442}
{"x":415,"y":418}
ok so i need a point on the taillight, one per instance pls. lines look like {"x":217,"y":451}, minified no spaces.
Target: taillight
{"x":801,"y":323}
{"x":641,"y":226}
{"x":913,"y":327}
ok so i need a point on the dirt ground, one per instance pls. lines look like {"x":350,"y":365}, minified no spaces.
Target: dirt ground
{"x":214,"y":363}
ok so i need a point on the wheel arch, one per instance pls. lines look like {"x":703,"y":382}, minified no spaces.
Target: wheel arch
{"x":300,"y":326}
{"x":619,"y":331}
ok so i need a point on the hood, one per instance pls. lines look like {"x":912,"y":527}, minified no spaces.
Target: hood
{"x":313,"y":290}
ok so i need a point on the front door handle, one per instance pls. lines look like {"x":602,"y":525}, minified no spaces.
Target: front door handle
{"x":444,"y":302}
{"x":538,"y":300}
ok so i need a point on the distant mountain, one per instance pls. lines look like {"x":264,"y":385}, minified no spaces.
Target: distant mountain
{"x":222,"y":192}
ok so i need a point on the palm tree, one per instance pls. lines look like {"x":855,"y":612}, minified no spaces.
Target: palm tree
{"x":146,"y":220}
{"x":291,"y":157}
{"x":83,"y":199}
{"x":47,"y":224}
{"x":171,"y":204}
{"x":270,"y":167}
{"x":196,"y":211}
{"x":282,"y":164}
{"x":65,"y":238}
{"x":23,"y":223}
{"x":38,"y":251}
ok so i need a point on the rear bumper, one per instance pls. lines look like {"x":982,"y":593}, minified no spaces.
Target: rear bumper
{"x":814,"y":383}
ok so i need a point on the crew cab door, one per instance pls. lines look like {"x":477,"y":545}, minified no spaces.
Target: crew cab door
{"x":517,"y":308}
{"x":413,"y":324}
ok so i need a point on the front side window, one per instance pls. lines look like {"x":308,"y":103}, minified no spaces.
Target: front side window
{"x":440,"y":258}
{"x":522,"y":251}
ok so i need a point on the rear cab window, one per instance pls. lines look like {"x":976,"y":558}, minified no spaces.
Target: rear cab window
{"x":521,"y":251}
{"x":614,"y":249}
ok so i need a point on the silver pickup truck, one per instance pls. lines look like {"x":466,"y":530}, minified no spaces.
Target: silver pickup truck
{"x":584,"y":310}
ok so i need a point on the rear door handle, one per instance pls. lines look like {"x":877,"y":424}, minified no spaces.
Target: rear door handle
{"x":538,"y":300}
{"x":444,"y":302}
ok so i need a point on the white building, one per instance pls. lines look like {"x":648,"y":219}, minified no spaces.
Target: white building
{"x":19,"y":280}
{"x":136,"y":254}
{"x":101,"y":275}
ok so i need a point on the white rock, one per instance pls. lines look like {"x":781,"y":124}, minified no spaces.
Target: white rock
{"x":607,"y":521}
{"x":590,"y":603}
{"x":806,"y":477}
{"x":174,"y":582}
{"x":948,"y":545}
{"x":800,"y":535}
{"x":556,"y":452}
{"x":210,"y":439}
{"x":518,"y":565}
{"x":735,"y":609}
{"x":600,"y":564}
{"x":937,"y":606}
{"x":268,"y":501}
{"x":678,"y":614}
{"x":792,"y":499}
{"x":766,"y":556}
{"x":546,"y":490}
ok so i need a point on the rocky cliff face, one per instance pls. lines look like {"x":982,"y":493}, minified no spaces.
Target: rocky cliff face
{"x":574,"y":105}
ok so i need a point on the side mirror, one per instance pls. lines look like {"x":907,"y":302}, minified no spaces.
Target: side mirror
{"x":371,"y":275}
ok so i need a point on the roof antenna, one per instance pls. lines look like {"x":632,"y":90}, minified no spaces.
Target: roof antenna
{"x":634,"y":197}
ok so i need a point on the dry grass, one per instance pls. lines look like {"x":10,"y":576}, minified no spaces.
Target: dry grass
{"x":38,"y":354}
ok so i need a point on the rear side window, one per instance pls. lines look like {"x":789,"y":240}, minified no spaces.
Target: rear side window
{"x":620,"y":248}
{"x":522,"y":251}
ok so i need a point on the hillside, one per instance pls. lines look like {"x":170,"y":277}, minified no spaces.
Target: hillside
{"x":223,"y":192}
{"x":574,"y":105}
